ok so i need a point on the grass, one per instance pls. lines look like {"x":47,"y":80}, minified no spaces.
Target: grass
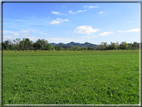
{"x":71,"y":77}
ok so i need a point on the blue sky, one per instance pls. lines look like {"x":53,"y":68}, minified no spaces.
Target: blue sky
{"x":78,"y":22}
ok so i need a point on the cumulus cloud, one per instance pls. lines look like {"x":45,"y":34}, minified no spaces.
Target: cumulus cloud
{"x":101,"y":12}
{"x":132,"y":30}
{"x":86,"y":30}
{"x":54,"y":12}
{"x":90,"y":6}
{"x":58,"y":20}
{"x":105,"y":33}
{"x":9,"y":35}
{"x":71,"y":12}
{"x":66,"y":19}
{"x":55,"y":22}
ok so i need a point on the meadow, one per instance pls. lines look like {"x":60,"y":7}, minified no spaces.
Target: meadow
{"x":71,"y":77}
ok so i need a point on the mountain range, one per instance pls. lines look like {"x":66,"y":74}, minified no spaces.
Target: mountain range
{"x":86,"y":44}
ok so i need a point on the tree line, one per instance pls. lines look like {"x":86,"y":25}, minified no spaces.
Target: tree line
{"x":115,"y":46}
{"x":41,"y":44}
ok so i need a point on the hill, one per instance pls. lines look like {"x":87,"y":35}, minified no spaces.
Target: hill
{"x":86,"y":44}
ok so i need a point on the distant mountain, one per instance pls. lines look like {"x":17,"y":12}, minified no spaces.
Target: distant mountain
{"x":86,"y":44}
{"x":54,"y":44}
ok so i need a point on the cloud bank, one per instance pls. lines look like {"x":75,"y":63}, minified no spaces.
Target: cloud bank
{"x":91,"y":6}
{"x":86,"y":30}
{"x":71,"y":12}
{"x":105,"y":33}
{"x":132,"y":30}
{"x":54,"y":12}
{"x":58,"y":20}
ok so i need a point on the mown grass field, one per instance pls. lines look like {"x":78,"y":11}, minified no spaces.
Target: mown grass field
{"x":68,"y":77}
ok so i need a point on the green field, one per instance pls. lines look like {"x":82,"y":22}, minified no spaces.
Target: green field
{"x":71,"y":77}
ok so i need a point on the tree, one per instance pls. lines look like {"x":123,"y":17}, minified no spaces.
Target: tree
{"x":113,"y":45}
{"x":60,"y":48}
{"x":11,"y":47}
{"x":83,"y":48}
{"x":67,"y":48}
{"x":124,"y":45}
{"x":90,"y":48}
{"x":135,"y":45}
{"x":38,"y":45}
{"x":104,"y":46}
{"x":17,"y":41}
{"x":75,"y":48}
{"x":21,"y":45}
{"x":130,"y":46}
{"x":3,"y":46}
{"x":27,"y":44}
{"x":6,"y":44}
{"x":117,"y":45}
{"x":49,"y":47}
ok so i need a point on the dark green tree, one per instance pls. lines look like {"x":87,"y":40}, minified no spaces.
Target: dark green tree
{"x":124,"y":45}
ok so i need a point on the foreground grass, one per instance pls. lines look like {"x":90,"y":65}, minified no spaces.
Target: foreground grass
{"x":67,"y":77}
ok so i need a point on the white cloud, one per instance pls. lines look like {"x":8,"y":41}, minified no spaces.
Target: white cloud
{"x":24,"y":31}
{"x":7,"y":38}
{"x":58,"y":20}
{"x":86,"y":30}
{"x":71,"y":12}
{"x":32,"y":38}
{"x":16,"y":34}
{"x":55,"y":12}
{"x":8,"y":31}
{"x":25,"y":35}
{"x":66,"y":19}
{"x":132,"y":30}
{"x":15,"y":20}
{"x":101,"y":12}
{"x":120,"y":31}
{"x":10,"y":35}
{"x":93,"y":36}
{"x":55,"y":22}
{"x":43,"y":33}
{"x":90,"y":6}
{"x":57,"y":40}
{"x":81,"y":11}
{"x":105,"y":33}
{"x":40,"y":32}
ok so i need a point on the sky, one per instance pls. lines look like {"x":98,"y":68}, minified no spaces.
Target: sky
{"x":77,"y":22}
